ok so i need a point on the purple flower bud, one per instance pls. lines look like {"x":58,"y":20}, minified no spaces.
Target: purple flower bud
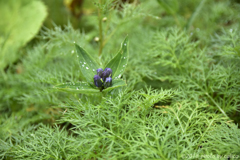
{"x":99,"y":71}
{"x":98,"y":81}
{"x":109,"y":71}
{"x":106,"y":73}
{"x":108,"y":82}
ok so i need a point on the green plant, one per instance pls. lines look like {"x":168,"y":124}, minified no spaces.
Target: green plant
{"x":181,"y":100}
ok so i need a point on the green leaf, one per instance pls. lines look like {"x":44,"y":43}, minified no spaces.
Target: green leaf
{"x":79,"y":87}
{"x":119,"y":62}
{"x":88,"y":65}
{"x":116,"y":83}
{"x":20,"y":22}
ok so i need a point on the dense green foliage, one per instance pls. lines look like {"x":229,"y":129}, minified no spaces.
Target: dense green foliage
{"x":182,"y":97}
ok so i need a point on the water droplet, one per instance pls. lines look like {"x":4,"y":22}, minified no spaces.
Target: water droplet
{"x":83,"y":65}
{"x":123,"y":65}
{"x":119,"y":75}
{"x":72,"y":51}
{"x":125,"y":44}
{"x":124,"y":57}
{"x":231,"y":30}
{"x":74,"y":42}
{"x":90,"y":61}
{"x":84,"y":62}
{"x":77,"y":88}
{"x":87,"y":68}
{"x":77,"y":56}
{"x":93,"y":69}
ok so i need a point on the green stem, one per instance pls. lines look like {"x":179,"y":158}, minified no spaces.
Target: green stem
{"x":100,"y":28}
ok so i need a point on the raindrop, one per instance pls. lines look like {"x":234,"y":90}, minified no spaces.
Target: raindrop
{"x":87,"y":68}
{"x":77,"y":56}
{"x":93,"y":69}
{"x":72,"y":51}
{"x":83,"y":65}
{"x":84,"y":62}
{"x":124,"y":66}
{"x":119,"y":76}
{"x":74,"y":42}
{"x":77,"y":88}
{"x":124,"y":57}
{"x":125,"y":44}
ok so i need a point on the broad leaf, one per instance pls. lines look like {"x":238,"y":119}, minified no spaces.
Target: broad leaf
{"x":79,"y":87}
{"x":116,"y":83}
{"x":88,"y":65}
{"x":119,"y":62}
{"x":20,"y":22}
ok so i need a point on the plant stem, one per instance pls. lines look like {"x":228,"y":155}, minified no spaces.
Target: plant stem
{"x":100,"y":28}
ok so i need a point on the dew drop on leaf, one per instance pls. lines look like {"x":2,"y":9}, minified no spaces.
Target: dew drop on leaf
{"x":125,"y":44}
{"x":87,"y":68}
{"x":77,"y":88}
{"x":83,"y":65}
{"x":72,"y":51}
{"x":93,"y":69}
{"x":84,"y":62}
{"x":124,"y":57}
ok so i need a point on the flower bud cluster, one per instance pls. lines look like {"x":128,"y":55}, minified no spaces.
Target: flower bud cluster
{"x":103,"y":78}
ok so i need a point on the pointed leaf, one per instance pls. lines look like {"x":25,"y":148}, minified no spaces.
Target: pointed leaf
{"x":119,"y":62}
{"x":79,"y":87}
{"x":88,"y":65}
{"x":116,"y":83}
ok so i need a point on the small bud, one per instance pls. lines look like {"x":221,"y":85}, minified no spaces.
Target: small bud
{"x":104,"y":19}
{"x":96,"y":39}
{"x":108,"y":82}
{"x":106,"y":73}
{"x":99,"y":71}
{"x":109,"y":71}
{"x":97,"y":81}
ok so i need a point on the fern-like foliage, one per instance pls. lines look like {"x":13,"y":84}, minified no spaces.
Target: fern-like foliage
{"x":181,"y":100}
